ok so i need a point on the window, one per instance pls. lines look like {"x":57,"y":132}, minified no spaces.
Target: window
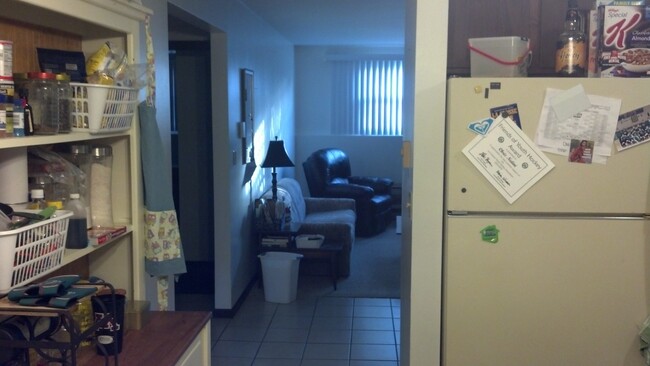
{"x":367,"y":97}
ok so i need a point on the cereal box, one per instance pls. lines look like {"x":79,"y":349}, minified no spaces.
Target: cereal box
{"x":624,"y":49}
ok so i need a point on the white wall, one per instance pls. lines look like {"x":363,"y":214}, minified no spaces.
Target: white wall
{"x":239,"y":40}
{"x":369,"y":156}
{"x":426,"y":37}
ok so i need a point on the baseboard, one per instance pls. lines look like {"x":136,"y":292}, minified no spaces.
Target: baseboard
{"x":229,"y":313}
{"x":398,"y":224}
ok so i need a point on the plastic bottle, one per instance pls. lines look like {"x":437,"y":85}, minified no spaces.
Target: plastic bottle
{"x":38,"y":200}
{"x":77,"y":234}
{"x":571,"y":49}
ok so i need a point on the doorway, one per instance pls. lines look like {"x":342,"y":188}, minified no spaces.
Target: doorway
{"x":191,"y":141}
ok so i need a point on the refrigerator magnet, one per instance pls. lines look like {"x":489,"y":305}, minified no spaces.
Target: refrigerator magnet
{"x":481,"y":126}
{"x":490,"y":234}
{"x":505,"y":111}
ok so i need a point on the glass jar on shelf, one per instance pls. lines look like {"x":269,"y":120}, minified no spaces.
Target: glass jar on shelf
{"x":41,"y":89}
{"x":101,"y":166}
{"x":64,"y":102}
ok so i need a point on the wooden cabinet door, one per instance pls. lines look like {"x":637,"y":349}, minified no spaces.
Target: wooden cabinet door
{"x":540,"y":21}
{"x":492,"y":18}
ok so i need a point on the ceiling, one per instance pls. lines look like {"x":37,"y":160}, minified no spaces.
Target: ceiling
{"x":335,"y":22}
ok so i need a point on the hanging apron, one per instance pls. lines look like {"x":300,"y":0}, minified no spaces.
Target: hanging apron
{"x":162,"y":243}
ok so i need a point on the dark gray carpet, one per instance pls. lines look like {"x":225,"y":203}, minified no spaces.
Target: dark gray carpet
{"x":374,"y":270}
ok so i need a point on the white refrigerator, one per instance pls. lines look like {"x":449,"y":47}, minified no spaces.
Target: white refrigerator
{"x":567,"y":281}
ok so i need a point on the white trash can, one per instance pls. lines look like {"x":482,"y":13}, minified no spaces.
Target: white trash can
{"x":280,"y":273}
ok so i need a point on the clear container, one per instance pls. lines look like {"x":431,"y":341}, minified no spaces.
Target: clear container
{"x":101,"y":166}
{"x":61,"y":184}
{"x":77,"y":237}
{"x":64,"y":102}
{"x":79,"y":155}
{"x":41,"y":89}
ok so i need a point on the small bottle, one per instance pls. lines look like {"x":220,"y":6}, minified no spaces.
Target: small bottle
{"x":29,"y":118}
{"x":77,"y":237}
{"x":571,"y":48}
{"x":38,"y":200}
{"x":19,"y":117}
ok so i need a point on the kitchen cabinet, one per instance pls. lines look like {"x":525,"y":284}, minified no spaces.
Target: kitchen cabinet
{"x":84,"y":25}
{"x":541,"y":21}
{"x":173,"y":338}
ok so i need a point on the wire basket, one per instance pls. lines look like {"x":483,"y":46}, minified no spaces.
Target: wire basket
{"x":32,"y":251}
{"x":102,"y":108}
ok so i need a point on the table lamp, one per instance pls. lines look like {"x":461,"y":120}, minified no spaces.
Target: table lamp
{"x":276,"y":157}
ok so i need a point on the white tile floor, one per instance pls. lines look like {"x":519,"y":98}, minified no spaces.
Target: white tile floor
{"x":311,"y":331}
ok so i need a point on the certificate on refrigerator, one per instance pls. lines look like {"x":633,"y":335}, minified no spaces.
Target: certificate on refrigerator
{"x":508,"y":159}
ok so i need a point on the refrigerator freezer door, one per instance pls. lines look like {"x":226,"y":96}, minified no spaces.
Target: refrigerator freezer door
{"x":549,"y":292}
{"x":620,"y":186}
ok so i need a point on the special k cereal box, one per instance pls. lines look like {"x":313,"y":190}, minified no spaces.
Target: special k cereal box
{"x":624,"y":49}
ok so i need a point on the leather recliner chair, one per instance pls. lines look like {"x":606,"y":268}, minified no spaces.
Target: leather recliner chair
{"x":328,"y":175}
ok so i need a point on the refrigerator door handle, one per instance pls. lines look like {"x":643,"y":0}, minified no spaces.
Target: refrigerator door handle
{"x":550,"y":215}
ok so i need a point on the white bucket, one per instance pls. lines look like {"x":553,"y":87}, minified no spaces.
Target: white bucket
{"x":280,"y":276}
{"x":499,"y":56}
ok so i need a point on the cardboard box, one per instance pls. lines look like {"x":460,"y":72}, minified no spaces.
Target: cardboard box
{"x":624,"y":45}
{"x":593,"y":70}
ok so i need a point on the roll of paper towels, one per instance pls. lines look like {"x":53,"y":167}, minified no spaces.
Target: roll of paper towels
{"x":13,"y":175}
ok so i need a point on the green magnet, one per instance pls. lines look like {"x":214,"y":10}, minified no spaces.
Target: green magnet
{"x":490,"y":234}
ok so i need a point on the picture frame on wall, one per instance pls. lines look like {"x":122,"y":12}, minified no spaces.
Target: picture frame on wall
{"x":247,"y":126}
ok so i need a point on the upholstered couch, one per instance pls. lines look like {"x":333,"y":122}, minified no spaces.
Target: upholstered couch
{"x":328,"y":174}
{"x":332,"y":217}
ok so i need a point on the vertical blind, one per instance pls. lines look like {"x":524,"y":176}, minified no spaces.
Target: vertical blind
{"x":367,"y":97}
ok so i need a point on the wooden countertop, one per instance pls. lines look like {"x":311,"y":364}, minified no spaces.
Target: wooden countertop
{"x":161,"y":342}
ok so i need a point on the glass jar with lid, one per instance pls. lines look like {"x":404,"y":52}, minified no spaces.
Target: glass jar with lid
{"x":64,"y":102}
{"x":101,"y":165}
{"x":41,"y":88}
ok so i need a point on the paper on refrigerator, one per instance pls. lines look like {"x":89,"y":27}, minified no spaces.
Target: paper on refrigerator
{"x":596,"y":123}
{"x":508,"y":159}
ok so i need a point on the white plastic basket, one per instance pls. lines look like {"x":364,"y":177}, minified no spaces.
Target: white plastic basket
{"x":32,"y":251}
{"x":102,"y":108}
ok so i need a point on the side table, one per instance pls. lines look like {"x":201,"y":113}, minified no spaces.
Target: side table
{"x":328,"y":250}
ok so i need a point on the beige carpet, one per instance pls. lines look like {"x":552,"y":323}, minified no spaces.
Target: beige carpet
{"x":374,"y":270}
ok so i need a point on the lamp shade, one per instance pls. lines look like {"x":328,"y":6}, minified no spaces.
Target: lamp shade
{"x":276,"y":155}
